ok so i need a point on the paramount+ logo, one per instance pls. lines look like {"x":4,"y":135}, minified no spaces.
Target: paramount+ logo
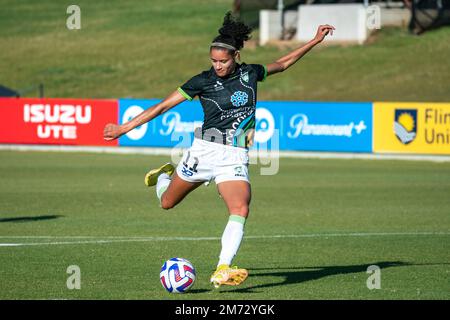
{"x":58,"y":121}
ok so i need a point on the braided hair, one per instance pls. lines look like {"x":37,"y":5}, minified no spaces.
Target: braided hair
{"x":232,"y":33}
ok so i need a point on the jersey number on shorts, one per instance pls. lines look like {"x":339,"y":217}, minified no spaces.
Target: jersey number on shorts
{"x":192,"y":169}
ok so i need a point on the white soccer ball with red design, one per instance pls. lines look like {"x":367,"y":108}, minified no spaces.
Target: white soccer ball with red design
{"x":177,"y":275}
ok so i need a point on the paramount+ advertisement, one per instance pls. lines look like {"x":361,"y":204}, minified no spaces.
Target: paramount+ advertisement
{"x":175,"y":128}
{"x":296,"y":126}
{"x":316,"y":126}
{"x":56,"y":121}
{"x":420,"y":128}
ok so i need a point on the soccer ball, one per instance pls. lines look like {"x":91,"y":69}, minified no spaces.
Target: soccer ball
{"x":177,"y":275}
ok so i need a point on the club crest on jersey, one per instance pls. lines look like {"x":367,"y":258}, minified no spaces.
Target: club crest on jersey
{"x":244,"y":76}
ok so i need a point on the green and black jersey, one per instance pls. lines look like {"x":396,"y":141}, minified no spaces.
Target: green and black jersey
{"x":228,"y":103}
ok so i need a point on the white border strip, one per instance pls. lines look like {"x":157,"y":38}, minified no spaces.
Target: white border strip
{"x":169,"y":152}
{"x":107,"y":240}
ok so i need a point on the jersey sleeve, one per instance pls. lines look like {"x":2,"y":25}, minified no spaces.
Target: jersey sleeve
{"x":261,"y":71}
{"x":192,"y":87}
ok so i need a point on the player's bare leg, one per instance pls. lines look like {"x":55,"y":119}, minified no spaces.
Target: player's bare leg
{"x":170,"y":188}
{"x":237,"y":196}
{"x":177,"y":190}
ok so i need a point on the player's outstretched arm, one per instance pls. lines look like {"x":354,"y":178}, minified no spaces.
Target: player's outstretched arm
{"x":288,"y":60}
{"x":113,"y":131}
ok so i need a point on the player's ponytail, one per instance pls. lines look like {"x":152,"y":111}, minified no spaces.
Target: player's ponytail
{"x":232,"y":34}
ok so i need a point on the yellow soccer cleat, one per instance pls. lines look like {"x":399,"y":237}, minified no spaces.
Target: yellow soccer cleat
{"x":152,"y":176}
{"x":226,"y":275}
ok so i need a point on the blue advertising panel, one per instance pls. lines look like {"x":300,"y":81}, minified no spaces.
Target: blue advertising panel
{"x":315,"y":126}
{"x":173,"y":128}
{"x":302,"y":126}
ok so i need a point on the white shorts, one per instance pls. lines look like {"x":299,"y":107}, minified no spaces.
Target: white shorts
{"x":205,"y":161}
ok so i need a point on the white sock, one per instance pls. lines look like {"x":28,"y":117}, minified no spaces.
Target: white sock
{"x":231,"y":239}
{"x":162,"y":184}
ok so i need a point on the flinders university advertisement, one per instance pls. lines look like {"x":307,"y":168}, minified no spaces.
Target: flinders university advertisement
{"x":408,"y":128}
{"x":422,"y":128}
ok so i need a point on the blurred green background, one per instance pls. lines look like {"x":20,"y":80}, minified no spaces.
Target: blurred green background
{"x":146,"y":49}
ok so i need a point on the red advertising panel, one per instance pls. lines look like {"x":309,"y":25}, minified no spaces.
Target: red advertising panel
{"x":56,"y":121}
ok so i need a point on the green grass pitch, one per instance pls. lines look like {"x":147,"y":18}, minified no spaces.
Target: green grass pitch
{"x":314,"y":229}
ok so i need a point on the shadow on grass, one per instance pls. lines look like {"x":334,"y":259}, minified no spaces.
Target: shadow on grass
{"x":199,"y":290}
{"x":30,"y":219}
{"x":303,"y":275}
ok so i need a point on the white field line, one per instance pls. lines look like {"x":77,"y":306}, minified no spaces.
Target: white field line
{"x":252,"y":153}
{"x":118,"y":239}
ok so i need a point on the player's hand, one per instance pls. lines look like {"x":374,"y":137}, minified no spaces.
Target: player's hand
{"x":112,"y":131}
{"x":323,"y":31}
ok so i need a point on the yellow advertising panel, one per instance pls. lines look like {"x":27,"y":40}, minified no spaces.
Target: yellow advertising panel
{"x":411,"y":128}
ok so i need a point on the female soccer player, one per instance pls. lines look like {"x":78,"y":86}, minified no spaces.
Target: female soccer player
{"x":227,"y":92}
